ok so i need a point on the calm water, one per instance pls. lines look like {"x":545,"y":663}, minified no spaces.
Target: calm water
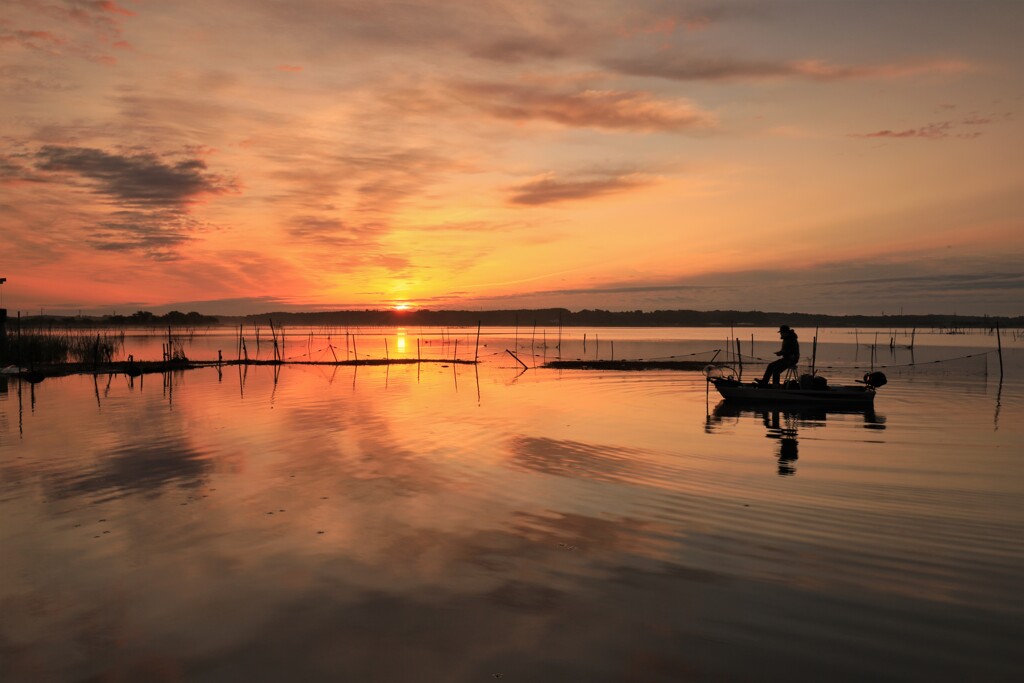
{"x":430,"y":523}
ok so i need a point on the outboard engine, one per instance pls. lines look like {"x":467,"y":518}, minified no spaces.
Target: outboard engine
{"x":875,"y":379}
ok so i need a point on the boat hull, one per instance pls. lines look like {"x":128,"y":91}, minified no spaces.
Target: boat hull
{"x":834,"y":395}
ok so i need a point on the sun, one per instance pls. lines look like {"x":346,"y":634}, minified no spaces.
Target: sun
{"x":402,"y":307}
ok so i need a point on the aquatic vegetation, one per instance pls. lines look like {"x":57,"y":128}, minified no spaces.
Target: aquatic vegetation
{"x":60,"y":346}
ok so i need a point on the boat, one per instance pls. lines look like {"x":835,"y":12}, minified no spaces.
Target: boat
{"x":809,"y":389}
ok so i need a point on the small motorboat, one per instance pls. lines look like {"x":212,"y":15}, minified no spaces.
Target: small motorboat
{"x":808,"y":389}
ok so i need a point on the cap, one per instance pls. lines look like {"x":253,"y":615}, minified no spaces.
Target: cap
{"x":784,"y":328}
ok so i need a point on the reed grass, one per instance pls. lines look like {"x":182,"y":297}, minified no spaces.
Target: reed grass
{"x":29,"y":348}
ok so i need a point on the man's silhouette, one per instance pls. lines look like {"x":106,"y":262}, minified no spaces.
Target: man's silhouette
{"x":789,"y":356}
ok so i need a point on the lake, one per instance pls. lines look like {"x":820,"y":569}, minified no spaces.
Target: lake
{"x":443,"y":522}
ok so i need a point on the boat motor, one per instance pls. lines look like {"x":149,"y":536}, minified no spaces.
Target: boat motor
{"x":875,"y":379}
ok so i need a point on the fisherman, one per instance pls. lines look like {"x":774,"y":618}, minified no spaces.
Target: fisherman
{"x":789,"y":356}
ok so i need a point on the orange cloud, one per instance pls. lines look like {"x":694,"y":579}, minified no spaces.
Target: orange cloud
{"x":113,"y":8}
{"x":934,"y":131}
{"x":30,"y":38}
{"x":821,"y":70}
{"x":610,"y":109}
{"x":685,"y":68}
{"x":289,"y":67}
{"x":549,"y":189}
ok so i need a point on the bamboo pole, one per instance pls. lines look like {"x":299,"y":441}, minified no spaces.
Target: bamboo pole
{"x":525,"y":366}
{"x":277,"y":354}
{"x":559,"y":347}
{"x":814,"y":351}
{"x":999,"y":346}
{"x":476,"y":352}
{"x":739,"y":357}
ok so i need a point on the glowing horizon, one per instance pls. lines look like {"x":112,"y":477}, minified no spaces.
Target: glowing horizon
{"x":239,"y":158}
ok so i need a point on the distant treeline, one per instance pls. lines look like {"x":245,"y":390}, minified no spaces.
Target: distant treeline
{"x":544,"y":317}
{"x":137,"y":319}
{"x":549,"y":317}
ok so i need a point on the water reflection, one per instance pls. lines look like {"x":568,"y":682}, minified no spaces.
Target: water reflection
{"x":571,"y":527}
{"x":783,"y":424}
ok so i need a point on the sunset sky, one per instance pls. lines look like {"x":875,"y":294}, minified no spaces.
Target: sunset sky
{"x":239,"y":156}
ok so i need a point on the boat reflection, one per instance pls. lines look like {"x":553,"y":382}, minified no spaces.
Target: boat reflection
{"x":783,"y":423}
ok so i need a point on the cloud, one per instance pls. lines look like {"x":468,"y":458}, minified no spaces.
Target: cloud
{"x":521,"y":48}
{"x":289,"y":67}
{"x":361,"y":244}
{"x":679,"y":67}
{"x":82,"y":28}
{"x":44,"y":41}
{"x":142,"y":179}
{"x":936,"y":130}
{"x":549,"y":189}
{"x":153,"y":195}
{"x":156,"y":233}
{"x":607,"y":109}
{"x":112,"y":8}
{"x":920,"y":282}
{"x":333,"y":231}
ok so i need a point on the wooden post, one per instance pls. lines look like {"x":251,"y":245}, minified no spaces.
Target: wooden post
{"x":387,"y":354}
{"x":3,"y":336}
{"x":525,"y":366}
{"x":476,"y":353}
{"x":277,"y":354}
{"x":999,"y":346}
{"x":814,"y":351}
{"x":739,"y":357}
{"x":613,"y":350}
{"x":559,"y":347}
{"x":455,"y":353}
